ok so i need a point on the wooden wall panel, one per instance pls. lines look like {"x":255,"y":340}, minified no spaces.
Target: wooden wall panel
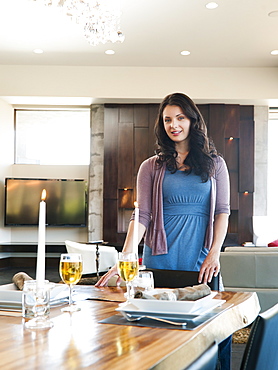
{"x":110,"y":219}
{"x":141,"y":147}
{"x":245,"y":214}
{"x":110,"y":186}
{"x":204,"y":110}
{"x":232,"y":120}
{"x":141,"y":115}
{"x":126,"y":198}
{"x":246,"y":112}
{"x":153,"y":111}
{"x":125,"y":155}
{"x":234,"y":201}
{"x":216,"y":126}
{"x":126,"y":113}
{"x":231,"y":158}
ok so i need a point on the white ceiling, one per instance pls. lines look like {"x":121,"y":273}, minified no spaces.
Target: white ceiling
{"x":239,"y":33}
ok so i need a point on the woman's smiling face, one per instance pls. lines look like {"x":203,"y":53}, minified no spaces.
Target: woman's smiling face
{"x":176,"y":124}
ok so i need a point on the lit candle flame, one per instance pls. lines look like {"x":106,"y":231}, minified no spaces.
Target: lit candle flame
{"x":43,"y":197}
{"x":136,"y":204}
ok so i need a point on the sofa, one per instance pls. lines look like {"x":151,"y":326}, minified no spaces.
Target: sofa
{"x":251,"y":269}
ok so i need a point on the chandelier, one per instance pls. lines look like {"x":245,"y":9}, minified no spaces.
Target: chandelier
{"x":101,"y":24}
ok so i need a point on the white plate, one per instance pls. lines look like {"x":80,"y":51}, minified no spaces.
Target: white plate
{"x":134,"y":311}
{"x":149,"y":305}
{"x":9,"y":293}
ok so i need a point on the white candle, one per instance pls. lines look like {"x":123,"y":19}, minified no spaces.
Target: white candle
{"x":135,"y":229}
{"x":40,"y":272}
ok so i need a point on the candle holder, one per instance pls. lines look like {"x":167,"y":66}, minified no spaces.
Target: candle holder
{"x":36,"y":304}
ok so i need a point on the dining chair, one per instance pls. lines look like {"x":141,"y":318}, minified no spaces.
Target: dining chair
{"x":207,"y":360}
{"x":261,"y":348}
{"x":107,"y":255}
{"x":179,"y":279}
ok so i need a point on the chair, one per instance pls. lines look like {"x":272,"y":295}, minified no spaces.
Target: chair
{"x":207,"y":360}
{"x":261,"y":349}
{"x":179,"y":279}
{"x":107,"y":256}
{"x":251,"y":269}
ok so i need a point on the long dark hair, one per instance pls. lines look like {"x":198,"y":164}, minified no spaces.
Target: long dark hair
{"x":202,"y":150}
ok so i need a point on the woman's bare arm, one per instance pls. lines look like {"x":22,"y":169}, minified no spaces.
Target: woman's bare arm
{"x":211,"y":265}
{"x":128,"y":247}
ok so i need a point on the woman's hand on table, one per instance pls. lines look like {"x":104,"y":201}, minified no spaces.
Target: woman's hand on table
{"x":209,"y":268}
{"x":103,"y":281}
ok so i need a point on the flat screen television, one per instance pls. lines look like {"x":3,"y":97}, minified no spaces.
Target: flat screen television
{"x":66,"y":201}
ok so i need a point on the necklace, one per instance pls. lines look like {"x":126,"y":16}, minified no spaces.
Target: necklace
{"x":180,"y":161}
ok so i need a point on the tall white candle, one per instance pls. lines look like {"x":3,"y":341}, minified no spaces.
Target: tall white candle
{"x":136,"y":227}
{"x":40,"y":272}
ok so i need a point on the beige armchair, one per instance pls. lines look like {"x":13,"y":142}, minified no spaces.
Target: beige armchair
{"x":251,"y":269}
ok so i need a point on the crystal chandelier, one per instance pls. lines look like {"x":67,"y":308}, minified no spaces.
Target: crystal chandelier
{"x":101,"y":24}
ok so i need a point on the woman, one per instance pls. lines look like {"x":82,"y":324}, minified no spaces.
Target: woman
{"x":183,"y":195}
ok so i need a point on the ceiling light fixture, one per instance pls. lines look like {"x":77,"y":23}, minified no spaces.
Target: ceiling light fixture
{"x":274,"y":52}
{"x":101,"y":23}
{"x":211,"y":5}
{"x":185,"y":52}
{"x":110,"y":52}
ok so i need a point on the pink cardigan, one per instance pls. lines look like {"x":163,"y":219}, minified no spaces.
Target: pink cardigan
{"x":150,"y":200}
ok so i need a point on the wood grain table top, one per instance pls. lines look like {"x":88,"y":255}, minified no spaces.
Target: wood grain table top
{"x":79,"y":340}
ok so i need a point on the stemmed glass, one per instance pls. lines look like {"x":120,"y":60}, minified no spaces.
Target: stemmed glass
{"x":70,"y":272}
{"x":128,"y":266}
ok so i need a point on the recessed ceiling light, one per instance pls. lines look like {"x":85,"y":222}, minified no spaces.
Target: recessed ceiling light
{"x":38,"y":51}
{"x":211,"y":5}
{"x":273,"y":14}
{"x":109,"y":52}
{"x":185,"y":52}
{"x":274,"y":52}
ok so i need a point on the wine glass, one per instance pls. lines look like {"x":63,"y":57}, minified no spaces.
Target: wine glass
{"x":70,"y":272}
{"x":128,"y":266}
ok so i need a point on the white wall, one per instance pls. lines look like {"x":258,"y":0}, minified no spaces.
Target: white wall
{"x":100,"y":84}
{"x":8,"y":169}
{"x":6,"y":158}
{"x":261,"y":160}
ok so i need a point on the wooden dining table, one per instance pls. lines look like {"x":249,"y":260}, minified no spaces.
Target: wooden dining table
{"x":80,"y":340}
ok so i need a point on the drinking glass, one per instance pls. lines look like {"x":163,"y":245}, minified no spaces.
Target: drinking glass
{"x":70,"y":272}
{"x":128,"y":266}
{"x":144,"y":281}
{"x":36,"y":304}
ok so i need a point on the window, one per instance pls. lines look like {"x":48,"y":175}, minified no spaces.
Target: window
{"x":272,"y":163}
{"x":52,"y":137}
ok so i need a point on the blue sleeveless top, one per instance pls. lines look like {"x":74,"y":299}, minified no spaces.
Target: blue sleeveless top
{"x":186,"y":207}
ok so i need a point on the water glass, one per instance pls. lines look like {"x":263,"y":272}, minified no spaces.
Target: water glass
{"x":144,"y":281}
{"x":36,"y":304}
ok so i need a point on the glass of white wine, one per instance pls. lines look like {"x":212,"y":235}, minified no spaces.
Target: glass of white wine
{"x":70,"y":272}
{"x":128,"y":266}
